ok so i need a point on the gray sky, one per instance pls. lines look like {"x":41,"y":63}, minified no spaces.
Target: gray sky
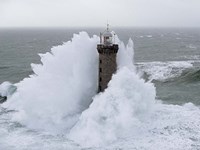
{"x":67,"y":13}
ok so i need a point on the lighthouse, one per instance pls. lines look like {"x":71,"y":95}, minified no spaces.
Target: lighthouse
{"x":107,"y":50}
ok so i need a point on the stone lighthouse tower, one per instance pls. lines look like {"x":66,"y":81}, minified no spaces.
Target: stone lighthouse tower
{"x":107,"y":58}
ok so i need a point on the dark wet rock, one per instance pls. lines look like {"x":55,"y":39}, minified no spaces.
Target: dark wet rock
{"x":2,"y":99}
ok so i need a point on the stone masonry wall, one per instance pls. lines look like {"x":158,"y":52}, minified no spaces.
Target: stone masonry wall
{"x":107,"y":66}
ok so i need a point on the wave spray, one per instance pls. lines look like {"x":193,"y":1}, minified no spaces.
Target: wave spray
{"x":61,"y":96}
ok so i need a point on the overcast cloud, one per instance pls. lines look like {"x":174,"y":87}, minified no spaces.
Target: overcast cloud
{"x":67,"y":13}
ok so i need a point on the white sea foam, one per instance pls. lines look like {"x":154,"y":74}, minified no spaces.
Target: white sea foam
{"x":125,"y":55}
{"x":149,"y":36}
{"x":167,"y":127}
{"x":164,"y":70}
{"x":125,"y":103}
{"x":191,"y":46}
{"x":7,"y":89}
{"x":194,"y":58}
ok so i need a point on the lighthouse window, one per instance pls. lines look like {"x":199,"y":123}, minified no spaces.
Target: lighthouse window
{"x":100,"y":79}
{"x":99,"y":88}
{"x":100,"y":69}
{"x":107,"y":40}
{"x":100,"y":61}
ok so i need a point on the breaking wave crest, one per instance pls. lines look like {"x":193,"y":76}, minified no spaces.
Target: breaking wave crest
{"x":6,"y":90}
{"x":189,"y":76}
{"x":162,"y":71}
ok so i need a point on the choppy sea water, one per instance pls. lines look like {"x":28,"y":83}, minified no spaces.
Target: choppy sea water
{"x":166,"y":58}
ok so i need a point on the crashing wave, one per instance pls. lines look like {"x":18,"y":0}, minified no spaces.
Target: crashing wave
{"x":58,"y":95}
{"x":162,"y":71}
{"x":6,"y":90}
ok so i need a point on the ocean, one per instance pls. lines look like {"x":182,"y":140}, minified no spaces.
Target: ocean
{"x":53,"y":105}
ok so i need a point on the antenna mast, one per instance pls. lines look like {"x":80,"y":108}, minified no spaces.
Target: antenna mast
{"x":107,"y":27}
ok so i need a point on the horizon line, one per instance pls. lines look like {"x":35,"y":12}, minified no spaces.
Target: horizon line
{"x":85,"y":27}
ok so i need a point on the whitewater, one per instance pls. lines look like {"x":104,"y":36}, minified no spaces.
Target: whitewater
{"x":58,"y":107}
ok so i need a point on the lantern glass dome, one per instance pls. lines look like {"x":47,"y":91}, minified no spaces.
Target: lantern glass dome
{"x":107,"y":38}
